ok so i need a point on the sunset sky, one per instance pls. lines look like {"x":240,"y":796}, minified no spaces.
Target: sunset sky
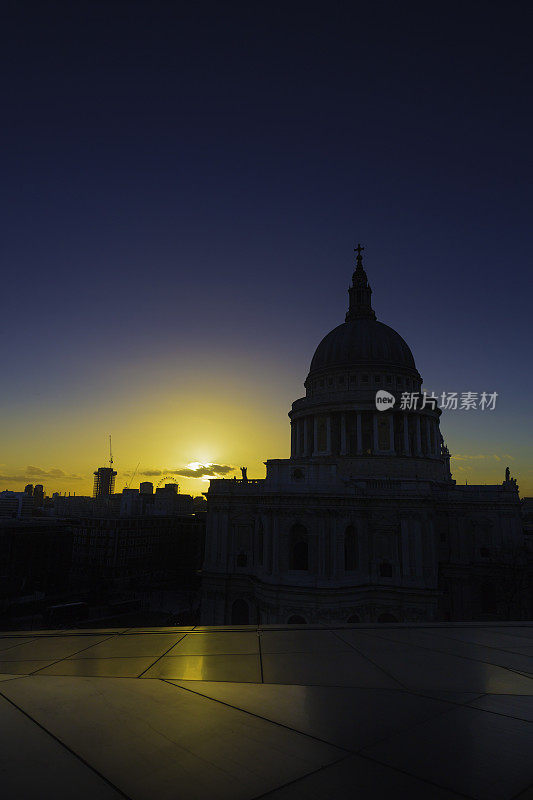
{"x":182,"y":189}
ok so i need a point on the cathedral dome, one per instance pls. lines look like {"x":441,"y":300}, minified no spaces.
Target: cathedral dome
{"x":364,"y":341}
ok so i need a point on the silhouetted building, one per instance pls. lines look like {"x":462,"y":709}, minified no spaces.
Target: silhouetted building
{"x":29,"y":489}
{"x":363,"y":522}
{"x":15,"y":504}
{"x":137,"y":552}
{"x":35,"y":562}
{"x":146,"y":487}
{"x":104,"y":482}
{"x":38,"y":495}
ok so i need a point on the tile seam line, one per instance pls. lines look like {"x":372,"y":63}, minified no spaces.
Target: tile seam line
{"x":453,"y":655}
{"x":65,"y":658}
{"x":300,"y":778}
{"x":260,"y":655}
{"x":259,"y":716}
{"x":374,"y":663}
{"x":418,"y":778}
{"x":458,"y":642}
{"x":161,"y":656}
{"x":67,"y":748}
{"x":488,"y":646}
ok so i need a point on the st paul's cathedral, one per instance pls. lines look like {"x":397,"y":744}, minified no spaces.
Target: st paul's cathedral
{"x":363,"y":522}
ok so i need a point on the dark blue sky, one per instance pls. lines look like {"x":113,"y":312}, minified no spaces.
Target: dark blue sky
{"x":183,"y":185}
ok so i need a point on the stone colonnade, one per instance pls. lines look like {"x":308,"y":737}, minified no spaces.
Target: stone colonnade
{"x":355,"y":433}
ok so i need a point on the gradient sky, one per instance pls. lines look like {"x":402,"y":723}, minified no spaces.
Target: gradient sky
{"x":182,"y":188}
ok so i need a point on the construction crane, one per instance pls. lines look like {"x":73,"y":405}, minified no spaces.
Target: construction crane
{"x":110,"y":454}
{"x":132,"y":477}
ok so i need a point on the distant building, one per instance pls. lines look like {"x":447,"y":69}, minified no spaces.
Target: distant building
{"x":104,"y":482}
{"x":38,"y":495}
{"x":199,"y":503}
{"x":15,"y":504}
{"x":135,"y":552}
{"x":167,"y":500}
{"x":28,"y":489}
{"x":35,"y":561}
{"x":146,"y":487}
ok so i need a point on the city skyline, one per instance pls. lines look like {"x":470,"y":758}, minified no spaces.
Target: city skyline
{"x":182,"y":195}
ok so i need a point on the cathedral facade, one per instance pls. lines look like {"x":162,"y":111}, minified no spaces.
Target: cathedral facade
{"x":363,"y":522}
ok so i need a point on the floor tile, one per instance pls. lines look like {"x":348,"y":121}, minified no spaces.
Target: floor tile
{"x":154,"y":740}
{"x":50,"y":647}
{"x":480,"y":754}
{"x":34,"y":765}
{"x":301,"y":641}
{"x":100,"y":667}
{"x":451,"y":646}
{"x":511,"y":705}
{"x":324,"y":670}
{"x":24,"y":667}
{"x":420,"y":669}
{"x":357,"y":778}
{"x":242,"y":668}
{"x":218,"y":643}
{"x":7,"y":642}
{"x":132,"y":645}
{"x":489,"y":637}
{"x":346,"y":717}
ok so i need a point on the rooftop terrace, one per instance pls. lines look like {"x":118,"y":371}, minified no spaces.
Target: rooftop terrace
{"x":357,"y":711}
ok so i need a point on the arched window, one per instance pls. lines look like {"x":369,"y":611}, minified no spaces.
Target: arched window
{"x":299,"y":550}
{"x":387,"y":618}
{"x":322,"y":436}
{"x":489,"y":603}
{"x":296,"y":619}
{"x":260,"y":543}
{"x":351,"y":549}
{"x":385,"y":569}
{"x":239,"y":612}
{"x":353,"y":618}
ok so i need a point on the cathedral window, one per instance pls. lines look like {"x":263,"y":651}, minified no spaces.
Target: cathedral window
{"x":351,"y":549}
{"x":298,"y":550}
{"x":240,"y":614}
{"x":383,"y":434}
{"x":322,"y":436}
{"x":260,"y":544}
{"x":489,"y":604}
{"x":385,"y":570}
{"x":387,"y":618}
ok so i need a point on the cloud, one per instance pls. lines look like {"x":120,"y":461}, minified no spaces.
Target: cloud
{"x":489,"y":456}
{"x":204,"y":471}
{"x":199,"y":471}
{"x":32,"y":474}
{"x":149,"y":473}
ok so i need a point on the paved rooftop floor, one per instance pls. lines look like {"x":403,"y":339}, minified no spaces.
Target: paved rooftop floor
{"x":423,"y":711}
